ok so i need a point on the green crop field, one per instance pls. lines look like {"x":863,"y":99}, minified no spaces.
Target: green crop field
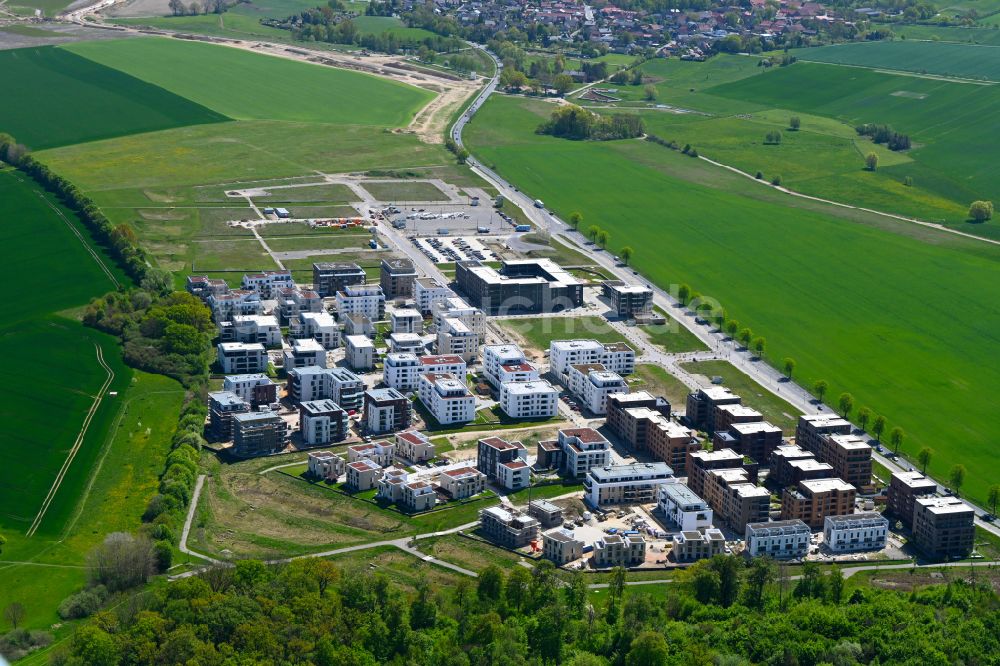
{"x":247,"y":86}
{"x":903,"y":320}
{"x":105,"y":102}
{"x":952,"y":125}
{"x":232,"y":24}
{"x":109,"y":479}
{"x":940,"y":58}
{"x":971,"y":35}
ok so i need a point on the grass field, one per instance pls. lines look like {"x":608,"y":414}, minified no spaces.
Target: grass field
{"x":130,"y":174}
{"x":250,"y":86}
{"x":871,"y":308}
{"x":967,"y":61}
{"x":300,"y":516}
{"x":950,"y":124}
{"x":971,"y":35}
{"x":232,"y":24}
{"x":376,"y":25}
{"x":539,"y":332}
{"x":405,"y":191}
{"x":105,"y":102}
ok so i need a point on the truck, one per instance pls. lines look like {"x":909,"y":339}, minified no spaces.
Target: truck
{"x":443,"y":232}
{"x":539,"y":204}
{"x":523,"y":227}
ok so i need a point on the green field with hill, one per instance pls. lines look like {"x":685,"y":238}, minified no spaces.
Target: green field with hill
{"x":105,"y":102}
{"x":250,"y":86}
{"x":952,"y":126}
{"x":967,"y":61}
{"x":871,"y":307}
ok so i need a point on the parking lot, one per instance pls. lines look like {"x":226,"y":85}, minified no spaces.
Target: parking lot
{"x":437,"y":219}
{"x":445,"y":249}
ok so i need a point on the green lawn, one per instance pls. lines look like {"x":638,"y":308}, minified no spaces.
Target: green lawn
{"x":923,"y":57}
{"x":539,"y":332}
{"x":105,"y":102}
{"x":376,"y":25}
{"x":673,"y":337}
{"x":250,"y":86}
{"x":870,"y":307}
{"x":317,"y":242}
{"x":659,"y":382}
{"x":324,"y":193}
{"x":775,"y":410}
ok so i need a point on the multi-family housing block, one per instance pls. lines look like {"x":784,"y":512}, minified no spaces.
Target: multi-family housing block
{"x":397,"y":278}
{"x":359,"y":352}
{"x":694,"y":545}
{"x":329,"y":278}
{"x":615,"y":356}
{"x":681,"y":507}
{"x":536,"y":399}
{"x":506,"y":528}
{"x":592,"y":384}
{"x":361,"y":299}
{"x":626,"y":484}
{"x":855,"y":532}
{"x":427,"y":291}
{"x":255,"y":388}
{"x":943,"y":527}
{"x":386,"y":410}
{"x":319,"y":326}
{"x":904,"y":489}
{"x":302,"y":353}
{"x":446,"y":397}
{"x":813,"y":500}
{"x":322,"y":422}
{"x":780,"y":539}
{"x":241,"y":358}
{"x":462,"y":482}
{"x":258,"y":433}
{"x":315,"y":383}
{"x":402,"y":371}
{"x":414,"y":446}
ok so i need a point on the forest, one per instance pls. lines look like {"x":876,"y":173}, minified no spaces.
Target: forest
{"x":720,"y":612}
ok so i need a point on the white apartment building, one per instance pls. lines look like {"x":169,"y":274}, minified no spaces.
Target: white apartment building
{"x":442,"y":363}
{"x":457,"y":308}
{"x":361,"y":299}
{"x":495,"y":356}
{"x":637,"y":483}
{"x":852,"y":533}
{"x":683,"y":508}
{"x":780,"y":539}
{"x":428,"y":291}
{"x":380,"y":453}
{"x":406,"y":342}
{"x":293,"y":302}
{"x":359,"y":352}
{"x":252,"y":328}
{"x":418,"y":496}
{"x":462,"y":482}
{"x":407,"y":320}
{"x":514,"y":474}
{"x":592,"y":384}
{"x":517,"y":372}
{"x":240,"y":358}
{"x":616,"y":550}
{"x":236,"y":302}
{"x":320,"y":326}
{"x":454,"y":337}
{"x":615,"y":357}
{"x":583,"y":449}
{"x":363,"y":474}
{"x":304,"y":352}
{"x":536,"y":399}
{"x":315,"y":383}
{"x":327,"y":466}
{"x":447,"y":398}
{"x":414,"y":446}
{"x":268,"y":283}
{"x":401,"y":371}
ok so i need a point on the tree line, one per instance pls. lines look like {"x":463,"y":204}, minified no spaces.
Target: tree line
{"x":880,"y":133}
{"x":574,"y":122}
{"x":721,"y":612}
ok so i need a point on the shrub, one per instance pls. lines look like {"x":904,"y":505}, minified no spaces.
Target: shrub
{"x":776,"y":180}
{"x":164,"y":554}
{"x":980,"y":211}
{"x":760,"y":175}
{"x":80,"y":605}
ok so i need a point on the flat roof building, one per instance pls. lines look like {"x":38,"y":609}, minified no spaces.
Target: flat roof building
{"x":397,"y":278}
{"x":628,"y":301}
{"x":386,"y":410}
{"x":529,"y":285}
{"x":240,"y":358}
{"x":626,"y":484}
{"x":529,"y":400}
{"x":619,"y":550}
{"x":693,"y":545}
{"x":781,"y":539}
{"x":857,"y":532}
{"x":258,"y":434}
{"x":755,"y":439}
{"x":701,"y":406}
{"x":812,"y":427}
{"x":560,"y":546}
{"x":943,"y":527}
{"x":506,"y":528}
{"x":322,"y":422}
{"x":904,"y":489}
{"x":331,"y":277}
{"x":681,"y":507}
{"x":815,"y":499}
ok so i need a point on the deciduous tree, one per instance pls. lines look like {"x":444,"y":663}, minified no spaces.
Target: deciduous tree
{"x":980,"y":211}
{"x":878,"y":427}
{"x":626,"y":254}
{"x":846,"y":403}
{"x":575,"y":219}
{"x":871,"y":161}
{"x":820,"y":387}
{"x":864,"y":416}
{"x":896,"y":437}
{"x":957,"y":477}
{"x":789,"y":366}
{"x":924,"y":458}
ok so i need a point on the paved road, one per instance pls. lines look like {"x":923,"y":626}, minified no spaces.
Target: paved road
{"x":769,"y":377}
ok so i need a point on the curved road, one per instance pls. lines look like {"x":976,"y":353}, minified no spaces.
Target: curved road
{"x":767,"y":376}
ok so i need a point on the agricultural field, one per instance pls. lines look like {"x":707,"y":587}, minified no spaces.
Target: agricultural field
{"x":966,"y":61}
{"x":951,"y":124}
{"x":249,"y":86}
{"x":50,"y":406}
{"x":106,"y":102}
{"x":936,"y":33}
{"x":233,"y":24}
{"x":867,"y":305}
